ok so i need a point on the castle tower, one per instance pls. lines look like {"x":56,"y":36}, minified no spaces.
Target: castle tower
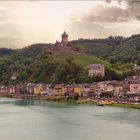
{"x":64,"y":40}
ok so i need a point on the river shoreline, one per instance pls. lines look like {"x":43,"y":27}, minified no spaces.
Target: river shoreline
{"x":99,"y":102}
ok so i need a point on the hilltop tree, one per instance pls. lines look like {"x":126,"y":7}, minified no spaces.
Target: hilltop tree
{"x":43,"y":69}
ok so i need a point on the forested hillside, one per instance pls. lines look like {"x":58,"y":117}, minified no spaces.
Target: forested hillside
{"x":113,"y":49}
{"x":36,"y":63}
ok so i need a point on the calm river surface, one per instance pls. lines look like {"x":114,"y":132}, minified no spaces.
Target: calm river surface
{"x":43,"y":120}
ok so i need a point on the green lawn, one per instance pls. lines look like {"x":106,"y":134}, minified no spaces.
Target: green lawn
{"x":84,"y":59}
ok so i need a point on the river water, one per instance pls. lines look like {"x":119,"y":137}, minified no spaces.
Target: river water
{"x":43,"y":120}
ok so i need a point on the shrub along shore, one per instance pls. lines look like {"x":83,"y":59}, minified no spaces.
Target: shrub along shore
{"x":97,"y":101}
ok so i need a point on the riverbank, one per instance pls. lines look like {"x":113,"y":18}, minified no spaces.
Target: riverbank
{"x":136,"y":106}
{"x":98,"y":102}
{"x":37,"y":97}
{"x":112,"y":104}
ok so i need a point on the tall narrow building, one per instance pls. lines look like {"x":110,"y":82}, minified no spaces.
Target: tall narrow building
{"x":64,"y":39}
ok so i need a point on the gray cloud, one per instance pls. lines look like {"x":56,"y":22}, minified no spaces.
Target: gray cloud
{"x":112,"y":13}
{"x":109,"y":19}
{"x":9,"y":34}
{"x":134,"y":8}
{"x":108,"y":14}
{"x":81,"y":29}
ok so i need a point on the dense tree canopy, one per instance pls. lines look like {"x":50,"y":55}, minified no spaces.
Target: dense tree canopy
{"x":36,"y":63}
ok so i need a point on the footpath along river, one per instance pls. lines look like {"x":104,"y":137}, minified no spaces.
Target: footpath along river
{"x":46,"y":120}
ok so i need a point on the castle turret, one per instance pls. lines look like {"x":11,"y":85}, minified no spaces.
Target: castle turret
{"x":64,"y":40}
{"x":64,"y":45}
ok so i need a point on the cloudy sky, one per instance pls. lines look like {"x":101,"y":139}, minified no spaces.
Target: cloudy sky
{"x":25,"y":22}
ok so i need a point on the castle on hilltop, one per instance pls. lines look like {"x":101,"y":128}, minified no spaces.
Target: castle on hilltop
{"x":64,"y":45}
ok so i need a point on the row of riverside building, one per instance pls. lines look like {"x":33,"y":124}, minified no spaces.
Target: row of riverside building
{"x":129,"y":86}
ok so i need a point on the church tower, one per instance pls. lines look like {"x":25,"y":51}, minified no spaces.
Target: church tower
{"x":64,"y":39}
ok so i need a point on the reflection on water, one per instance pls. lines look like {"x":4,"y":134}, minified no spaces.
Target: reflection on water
{"x":36,"y":119}
{"x":44,"y":103}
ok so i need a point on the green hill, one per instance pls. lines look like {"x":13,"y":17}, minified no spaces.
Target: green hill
{"x":84,"y":59}
{"x":38,"y":64}
{"x":118,"y":54}
{"x":113,"y":49}
{"x":116,"y":50}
